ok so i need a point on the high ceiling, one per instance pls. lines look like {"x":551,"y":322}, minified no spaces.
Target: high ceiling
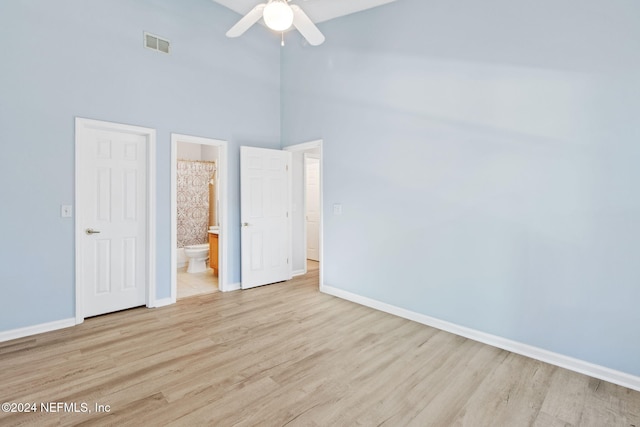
{"x":317,"y":10}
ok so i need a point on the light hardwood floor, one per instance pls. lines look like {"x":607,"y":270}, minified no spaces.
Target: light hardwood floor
{"x":286,"y":354}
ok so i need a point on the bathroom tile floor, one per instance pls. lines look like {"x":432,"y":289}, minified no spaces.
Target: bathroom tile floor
{"x":190,"y":284}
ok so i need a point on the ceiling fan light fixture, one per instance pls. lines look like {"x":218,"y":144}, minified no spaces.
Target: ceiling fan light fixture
{"x":278,"y":15}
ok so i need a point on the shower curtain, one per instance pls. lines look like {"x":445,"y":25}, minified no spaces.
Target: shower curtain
{"x":194,"y":182}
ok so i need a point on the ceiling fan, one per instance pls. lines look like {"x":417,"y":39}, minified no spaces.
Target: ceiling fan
{"x":279,"y":16}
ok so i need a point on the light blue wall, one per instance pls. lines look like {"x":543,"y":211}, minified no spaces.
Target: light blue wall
{"x":67,"y":58}
{"x":485,"y":153}
{"x":487,"y":156}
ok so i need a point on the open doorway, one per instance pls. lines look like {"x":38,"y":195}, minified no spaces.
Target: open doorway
{"x":307,"y":208}
{"x":198,"y":215}
{"x":312,"y":209}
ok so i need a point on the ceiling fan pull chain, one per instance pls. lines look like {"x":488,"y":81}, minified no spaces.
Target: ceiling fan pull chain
{"x":282,"y":42}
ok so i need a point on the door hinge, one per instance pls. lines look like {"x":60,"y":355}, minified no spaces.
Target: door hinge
{"x":287,"y":260}
{"x":286,"y":167}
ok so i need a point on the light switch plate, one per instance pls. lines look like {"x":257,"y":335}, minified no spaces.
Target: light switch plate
{"x":337,"y":209}
{"x":66,"y":211}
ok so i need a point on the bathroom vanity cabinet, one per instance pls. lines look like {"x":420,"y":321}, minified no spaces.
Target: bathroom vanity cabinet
{"x":213,"y":252}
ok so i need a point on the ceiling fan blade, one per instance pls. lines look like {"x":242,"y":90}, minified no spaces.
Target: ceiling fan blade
{"x":307,"y":28}
{"x":246,"y":21}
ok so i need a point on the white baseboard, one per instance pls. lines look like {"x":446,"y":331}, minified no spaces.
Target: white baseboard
{"x":232,"y":287}
{"x":163,"y":302}
{"x":577,"y":365}
{"x":298,"y":272}
{"x":37,"y":329}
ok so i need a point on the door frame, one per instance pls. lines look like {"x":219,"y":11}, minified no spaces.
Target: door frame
{"x":221,"y":166}
{"x":305,"y":147}
{"x":81,"y":125}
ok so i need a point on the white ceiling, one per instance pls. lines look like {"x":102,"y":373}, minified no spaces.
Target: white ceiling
{"x":317,"y":10}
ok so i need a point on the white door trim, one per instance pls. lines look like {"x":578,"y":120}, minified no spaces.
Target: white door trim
{"x":222,"y":214}
{"x":81,"y":125}
{"x":305,"y":146}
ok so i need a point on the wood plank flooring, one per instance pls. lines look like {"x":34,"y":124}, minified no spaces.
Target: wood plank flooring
{"x":286,"y":354}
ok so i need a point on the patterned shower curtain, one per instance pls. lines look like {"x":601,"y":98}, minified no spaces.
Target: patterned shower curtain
{"x":193,"y":181}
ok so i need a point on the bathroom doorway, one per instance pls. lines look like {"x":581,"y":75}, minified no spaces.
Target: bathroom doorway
{"x":198,"y":215}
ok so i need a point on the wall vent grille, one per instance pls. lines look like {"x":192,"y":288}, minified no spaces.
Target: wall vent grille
{"x":154,"y":42}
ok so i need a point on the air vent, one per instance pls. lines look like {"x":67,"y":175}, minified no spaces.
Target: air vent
{"x":156,"y":43}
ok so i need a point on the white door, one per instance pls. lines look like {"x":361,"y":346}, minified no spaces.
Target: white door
{"x":312,"y":206}
{"x":265,"y":200}
{"x":111,"y":203}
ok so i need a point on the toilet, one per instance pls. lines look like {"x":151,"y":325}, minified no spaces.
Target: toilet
{"x":197,"y":256}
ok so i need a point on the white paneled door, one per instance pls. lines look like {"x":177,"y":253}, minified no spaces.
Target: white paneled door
{"x":112,"y":220}
{"x":265,"y":199}
{"x":312,"y":207}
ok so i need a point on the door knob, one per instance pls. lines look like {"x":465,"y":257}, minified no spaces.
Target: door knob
{"x":245,"y":224}
{"x":91,"y":231}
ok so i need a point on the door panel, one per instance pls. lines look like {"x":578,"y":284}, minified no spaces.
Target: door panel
{"x":266,"y":224}
{"x":112,"y":199}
